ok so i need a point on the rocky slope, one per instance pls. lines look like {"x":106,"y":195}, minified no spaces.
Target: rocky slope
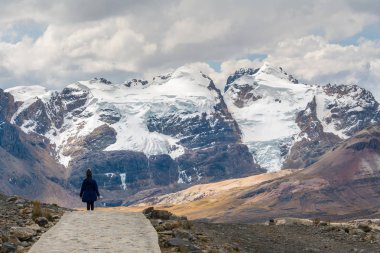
{"x":212,"y":190}
{"x":343,"y":184}
{"x":26,"y":165}
{"x":22,"y":223}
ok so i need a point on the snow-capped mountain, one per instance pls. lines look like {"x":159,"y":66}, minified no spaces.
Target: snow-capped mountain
{"x":181,"y":115}
{"x":267,"y":102}
{"x":179,"y":129}
{"x":141,"y":114}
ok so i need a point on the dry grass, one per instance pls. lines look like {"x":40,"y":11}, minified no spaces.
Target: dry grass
{"x":316,"y":221}
{"x":36,"y":211}
{"x":47,"y":214}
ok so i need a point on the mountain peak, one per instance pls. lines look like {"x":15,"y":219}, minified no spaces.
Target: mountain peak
{"x":266,"y":69}
{"x":136,"y":83}
{"x":239,"y":73}
{"x":186,"y":69}
{"x":100,"y":80}
{"x":278,"y":72}
{"x":23,"y":93}
{"x":187,"y":77}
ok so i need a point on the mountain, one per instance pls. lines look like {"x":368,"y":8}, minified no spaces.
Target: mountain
{"x":144,"y":138}
{"x":175,"y":129}
{"x":343,"y":184}
{"x":287,"y":124}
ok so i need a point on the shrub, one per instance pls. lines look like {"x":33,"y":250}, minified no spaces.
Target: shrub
{"x":365,"y":228}
{"x":316,"y":221}
{"x":47,"y":214}
{"x":36,"y":211}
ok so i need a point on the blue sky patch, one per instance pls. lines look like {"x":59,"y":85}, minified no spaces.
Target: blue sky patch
{"x":370,"y":32}
{"x":19,"y":30}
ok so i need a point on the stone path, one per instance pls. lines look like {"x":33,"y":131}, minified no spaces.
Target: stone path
{"x":97,"y":232}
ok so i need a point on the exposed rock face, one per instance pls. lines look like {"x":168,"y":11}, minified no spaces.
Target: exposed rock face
{"x":164,"y":169}
{"x":100,"y":80}
{"x":314,"y":141}
{"x":47,"y":117}
{"x":7,"y":106}
{"x":136,"y":82}
{"x":125,"y":170}
{"x":352,"y":109}
{"x":100,"y":138}
{"x":35,"y":117}
{"x":371,"y":144}
{"x":245,"y":94}
{"x":42,"y":116}
{"x":216,"y":163}
{"x":109,"y":114}
{"x":239,"y":73}
{"x":134,"y":171}
{"x":198,"y":131}
{"x":11,"y":142}
{"x":116,"y":170}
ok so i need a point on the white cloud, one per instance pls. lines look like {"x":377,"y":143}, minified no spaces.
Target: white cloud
{"x":189,"y":31}
{"x":61,"y":42}
{"x":315,"y":60}
{"x":90,"y":48}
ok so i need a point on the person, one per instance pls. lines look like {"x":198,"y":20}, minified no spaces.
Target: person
{"x":89,"y":191}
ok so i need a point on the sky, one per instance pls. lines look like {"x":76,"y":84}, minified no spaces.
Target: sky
{"x":54,"y":43}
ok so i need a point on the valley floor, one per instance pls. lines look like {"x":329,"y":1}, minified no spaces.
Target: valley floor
{"x":280,"y":238}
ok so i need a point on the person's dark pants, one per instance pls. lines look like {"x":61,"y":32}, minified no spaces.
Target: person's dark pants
{"x":90,"y":205}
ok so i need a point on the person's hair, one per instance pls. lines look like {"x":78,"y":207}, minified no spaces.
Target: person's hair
{"x":88,"y":173}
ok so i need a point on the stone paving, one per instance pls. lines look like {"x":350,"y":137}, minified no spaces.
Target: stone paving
{"x":99,"y":232}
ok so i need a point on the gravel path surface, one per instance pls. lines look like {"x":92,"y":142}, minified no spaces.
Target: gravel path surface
{"x":280,"y":239}
{"x":99,"y":232}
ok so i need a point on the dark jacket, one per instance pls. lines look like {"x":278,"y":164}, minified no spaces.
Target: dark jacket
{"x":89,"y":190}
